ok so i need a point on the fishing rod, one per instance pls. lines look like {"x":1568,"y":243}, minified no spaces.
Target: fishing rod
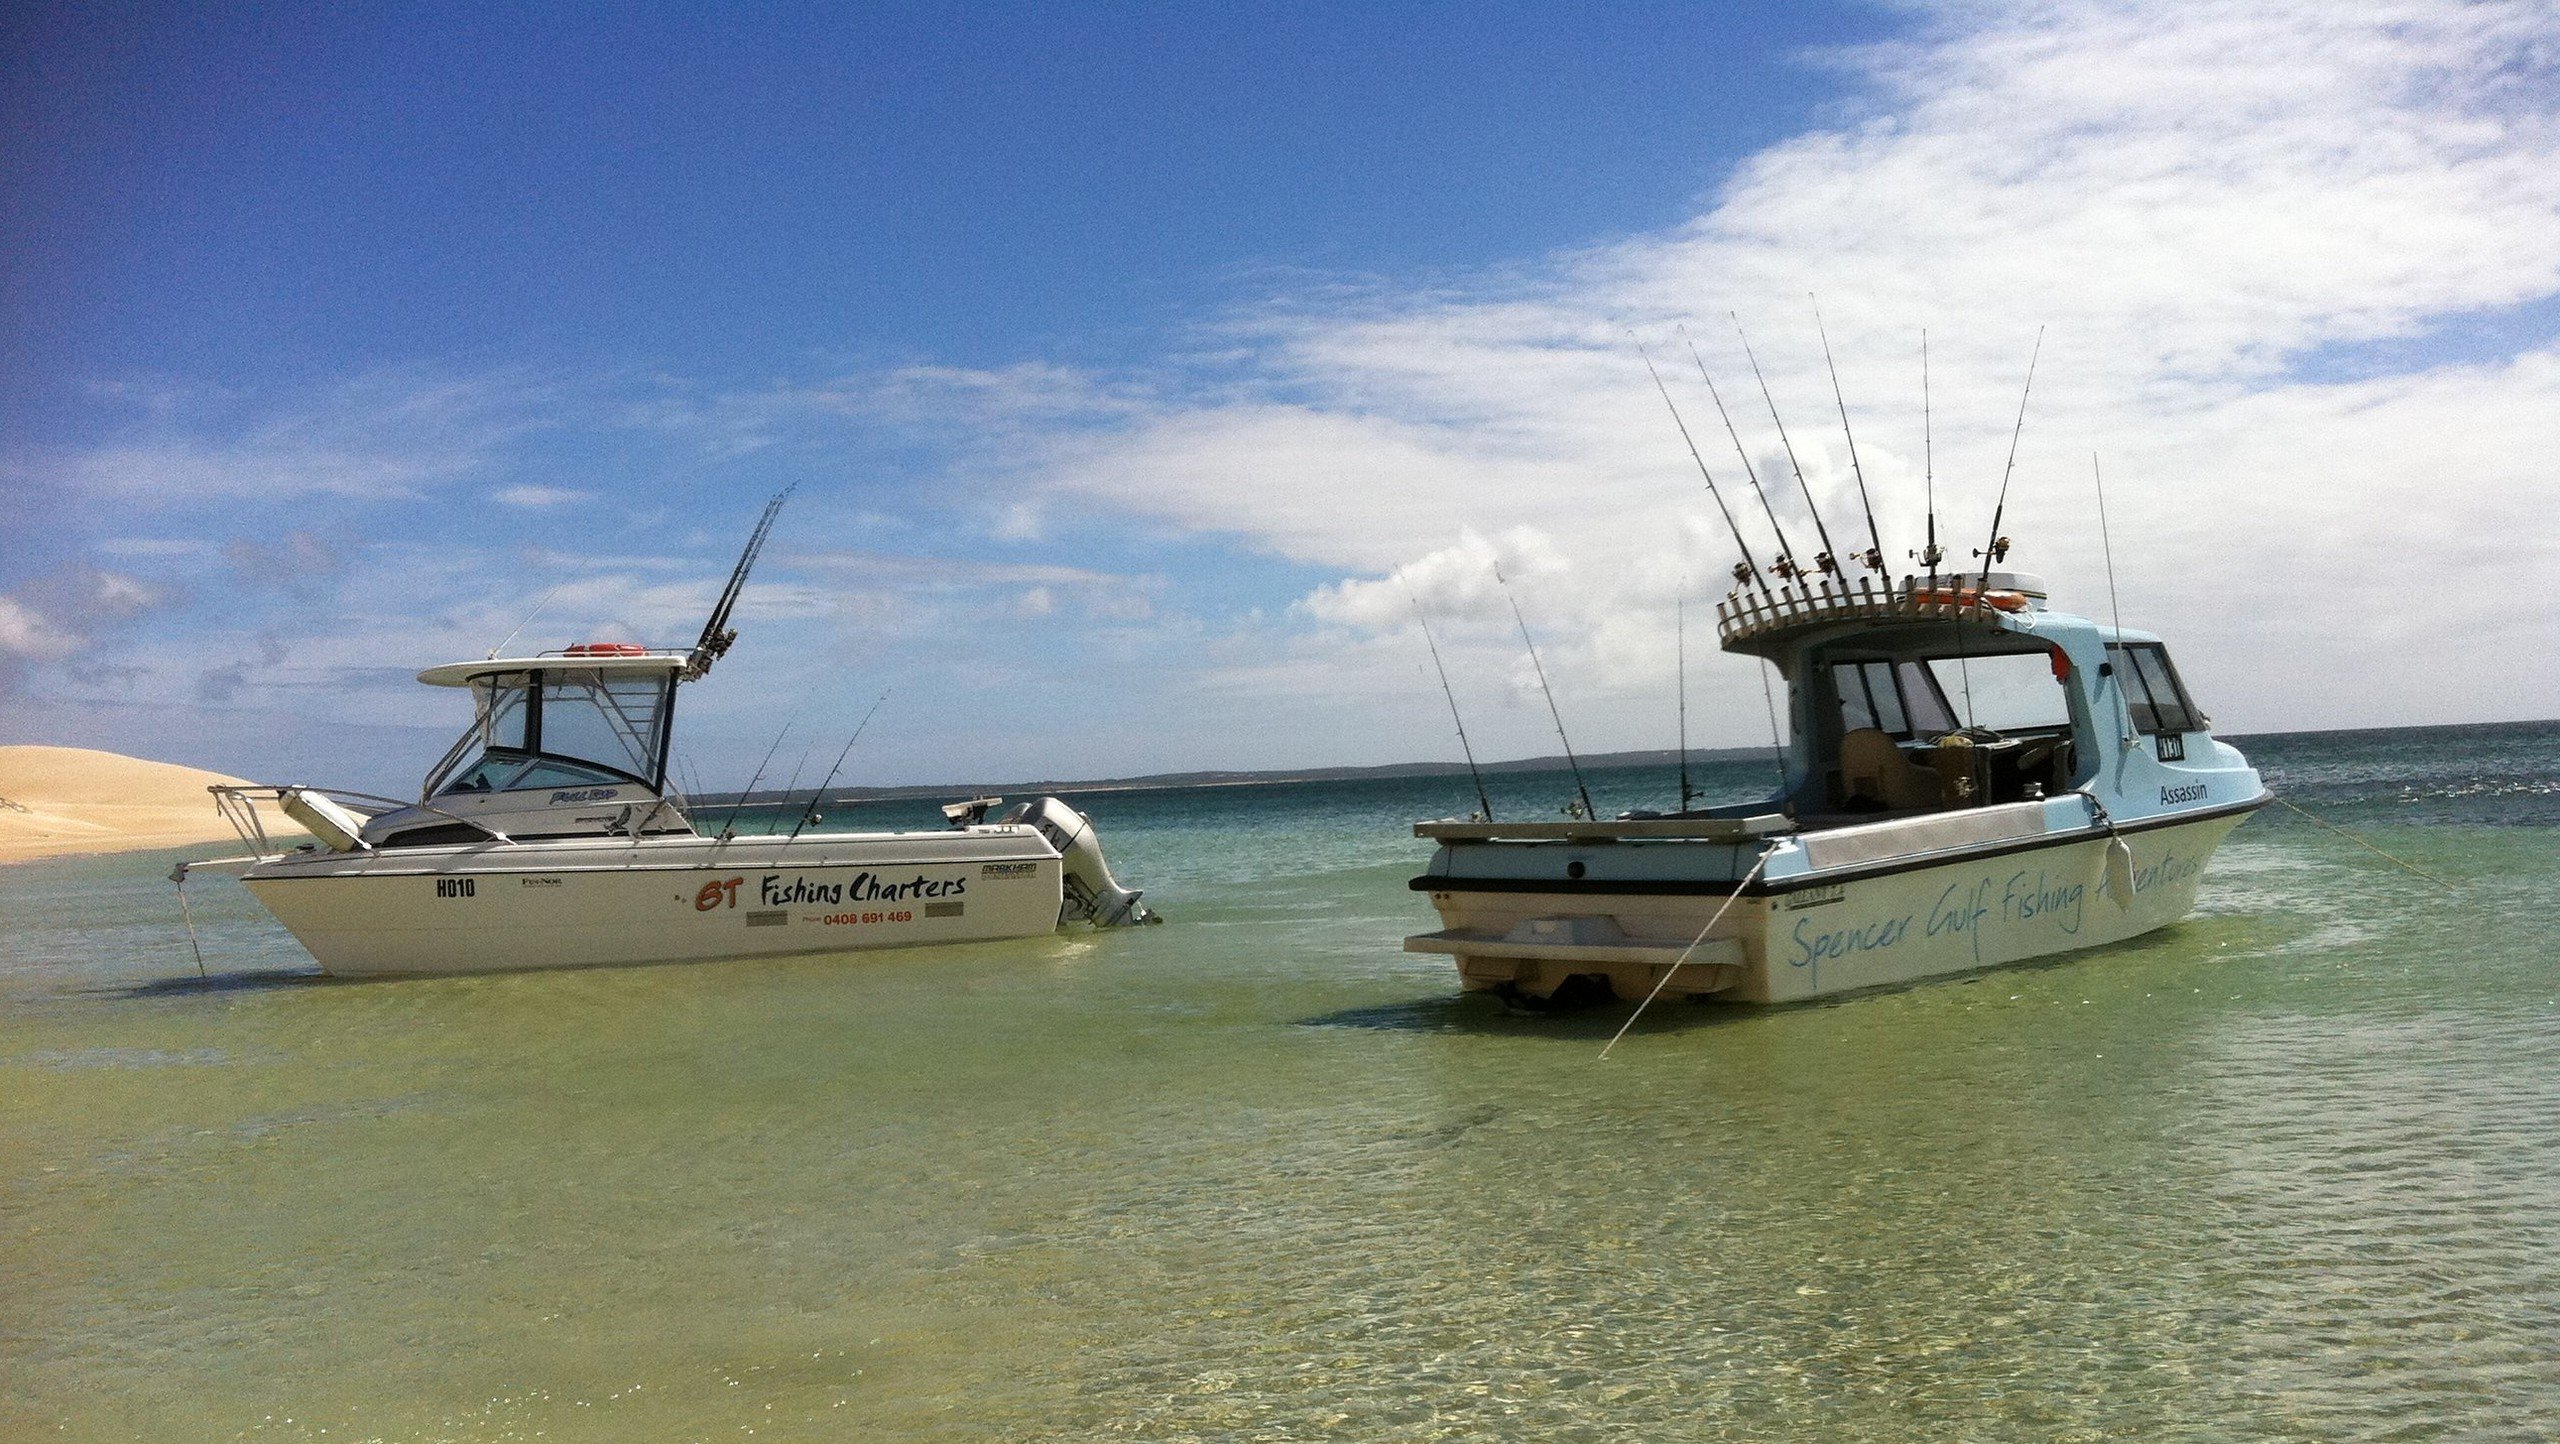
{"x":1874,"y":555}
{"x":717,"y":634}
{"x":729,"y":824}
{"x":1569,"y":759}
{"x":1931,"y":554}
{"x":1785,"y":565}
{"x":797,"y":768}
{"x":1749,"y":570}
{"x":1680,"y":641}
{"x":811,"y":814}
{"x":1998,"y":548}
{"x":1483,"y":799}
{"x":1823,"y":559}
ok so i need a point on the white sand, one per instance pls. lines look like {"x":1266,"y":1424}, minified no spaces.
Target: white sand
{"x":56,"y":801}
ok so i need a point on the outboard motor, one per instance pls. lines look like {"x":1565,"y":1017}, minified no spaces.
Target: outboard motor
{"x":1092,"y":895}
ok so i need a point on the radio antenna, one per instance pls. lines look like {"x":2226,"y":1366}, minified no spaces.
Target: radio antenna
{"x":717,"y":634}
{"x":1874,"y":555}
{"x":1749,"y":570}
{"x":1541,"y":668}
{"x":1932,"y":553}
{"x":1998,"y":549}
{"x":1823,"y":559}
{"x":811,"y":815}
{"x":527,"y":622}
{"x":1786,"y":563}
{"x":2113,"y":611}
{"x":1483,"y":799}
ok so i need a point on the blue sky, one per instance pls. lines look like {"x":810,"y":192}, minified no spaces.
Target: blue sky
{"x":1122,"y":352}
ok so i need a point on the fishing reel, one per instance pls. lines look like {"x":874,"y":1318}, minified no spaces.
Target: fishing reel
{"x":1999,"y":551}
{"x":1930,"y":555}
{"x":1785,"y":568}
{"x":1873,"y":559}
{"x":1827,"y":564}
{"x":1742,"y":574}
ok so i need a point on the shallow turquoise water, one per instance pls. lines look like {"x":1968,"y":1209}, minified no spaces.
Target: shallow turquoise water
{"x":2288,"y":1171}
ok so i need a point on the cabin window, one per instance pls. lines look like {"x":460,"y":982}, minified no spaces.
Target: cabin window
{"x":2005,"y":692}
{"x":1898,"y":698}
{"x":2157,"y":700}
{"x":1868,"y":698}
{"x":506,"y":714}
{"x":612,"y":722}
{"x":1922,"y":699}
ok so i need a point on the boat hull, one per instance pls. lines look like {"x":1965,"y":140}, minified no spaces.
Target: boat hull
{"x":594,"y":904}
{"x":1809,"y":938}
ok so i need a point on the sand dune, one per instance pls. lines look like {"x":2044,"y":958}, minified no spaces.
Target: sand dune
{"x":61,"y":800}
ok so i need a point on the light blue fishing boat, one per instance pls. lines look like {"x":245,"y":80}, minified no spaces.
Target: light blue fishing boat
{"x":1974,"y":779}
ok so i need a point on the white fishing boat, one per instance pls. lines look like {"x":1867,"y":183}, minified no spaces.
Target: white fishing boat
{"x":1973,"y":779}
{"x":548,"y":836}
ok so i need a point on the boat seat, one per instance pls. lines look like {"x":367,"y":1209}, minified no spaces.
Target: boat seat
{"x":1872,"y":769}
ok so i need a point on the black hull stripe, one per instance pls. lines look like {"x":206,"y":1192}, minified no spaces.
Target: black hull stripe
{"x":1684,"y":887}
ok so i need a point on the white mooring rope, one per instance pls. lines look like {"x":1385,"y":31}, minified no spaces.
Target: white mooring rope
{"x":1665,"y":979}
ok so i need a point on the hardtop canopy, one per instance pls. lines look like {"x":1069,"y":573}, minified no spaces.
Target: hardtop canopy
{"x":611,"y":664}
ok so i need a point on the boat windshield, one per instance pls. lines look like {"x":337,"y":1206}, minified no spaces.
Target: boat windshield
{"x":1921,"y":698}
{"x":559,"y":727}
{"x":1930,"y":730}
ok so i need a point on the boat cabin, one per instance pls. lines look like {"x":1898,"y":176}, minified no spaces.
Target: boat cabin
{"x":567,"y":743}
{"x":1945,"y":694}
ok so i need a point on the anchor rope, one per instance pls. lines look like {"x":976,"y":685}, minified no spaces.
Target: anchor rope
{"x":189,"y":914}
{"x":1665,"y":980}
{"x":2409,"y":867}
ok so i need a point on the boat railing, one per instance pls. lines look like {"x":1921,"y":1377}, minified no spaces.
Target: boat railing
{"x":1665,"y":829}
{"x":238,"y":804}
{"x":1746,"y":614}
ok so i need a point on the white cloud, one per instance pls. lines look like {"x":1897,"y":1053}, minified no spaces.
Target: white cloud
{"x":2215,"y":212}
{"x":537,"y":497}
{"x":389,"y":435}
{"x":63,"y":613}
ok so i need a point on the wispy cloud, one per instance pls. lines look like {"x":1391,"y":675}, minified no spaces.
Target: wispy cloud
{"x":536,"y":498}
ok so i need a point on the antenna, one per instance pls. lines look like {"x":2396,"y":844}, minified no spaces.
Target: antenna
{"x":1932,"y":553}
{"x":1749,"y":570}
{"x":2114,"y":612}
{"x":717,"y":634}
{"x":1786,"y":563}
{"x":1482,"y":798}
{"x":1569,"y":759}
{"x":1822,"y":560}
{"x":527,"y":622}
{"x":1999,"y":545}
{"x":1874,"y":556}
{"x":811,"y":815}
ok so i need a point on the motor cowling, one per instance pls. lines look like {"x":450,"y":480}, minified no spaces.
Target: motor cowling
{"x":1092,"y":895}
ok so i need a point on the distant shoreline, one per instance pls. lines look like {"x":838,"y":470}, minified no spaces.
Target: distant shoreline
{"x":1179,"y":781}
